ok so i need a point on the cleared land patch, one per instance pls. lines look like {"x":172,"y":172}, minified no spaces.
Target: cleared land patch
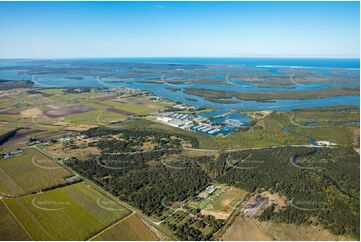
{"x":55,"y":113}
{"x":60,"y":150}
{"x":293,"y":232}
{"x":75,"y":212}
{"x":28,"y":172}
{"x":224,"y":203}
{"x":31,"y":112}
{"x":244,"y":229}
{"x":123,"y":112}
{"x":129,"y":107}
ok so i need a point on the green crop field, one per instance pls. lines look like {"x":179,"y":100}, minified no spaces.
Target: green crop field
{"x":9,"y":118}
{"x":29,"y":171}
{"x":59,"y":96}
{"x":9,"y":228}
{"x":130,"y":107}
{"x":94,"y":104}
{"x":101,"y":116}
{"x":57,"y":91}
{"x":5,"y":129}
{"x":75,"y":212}
{"x":96,"y":117}
{"x":131,"y":228}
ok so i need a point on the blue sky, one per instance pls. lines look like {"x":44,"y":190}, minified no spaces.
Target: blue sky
{"x":171,"y":29}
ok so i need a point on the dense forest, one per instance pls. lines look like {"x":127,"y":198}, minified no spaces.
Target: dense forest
{"x":129,"y":134}
{"x":143,"y":184}
{"x":322,"y":187}
{"x":195,"y":227}
{"x":327,"y":190}
{"x":139,"y":178}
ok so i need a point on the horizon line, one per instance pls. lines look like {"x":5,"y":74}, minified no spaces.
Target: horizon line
{"x":134,"y":57}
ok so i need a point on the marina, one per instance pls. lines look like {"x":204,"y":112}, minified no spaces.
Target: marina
{"x":219,"y":126}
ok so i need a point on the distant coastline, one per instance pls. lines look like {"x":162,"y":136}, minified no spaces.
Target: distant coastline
{"x":286,"y":62}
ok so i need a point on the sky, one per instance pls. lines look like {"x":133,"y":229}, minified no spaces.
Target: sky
{"x":179,"y":29}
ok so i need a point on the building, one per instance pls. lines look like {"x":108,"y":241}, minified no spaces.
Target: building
{"x":12,"y":153}
{"x":323,"y":142}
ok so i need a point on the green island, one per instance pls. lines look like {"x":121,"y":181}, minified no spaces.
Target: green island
{"x":268,"y":96}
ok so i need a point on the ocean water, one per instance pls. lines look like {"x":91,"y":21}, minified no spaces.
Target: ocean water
{"x":353,"y":63}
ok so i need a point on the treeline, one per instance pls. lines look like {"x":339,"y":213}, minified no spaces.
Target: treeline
{"x":131,"y":144}
{"x":191,"y":228}
{"x":5,"y":137}
{"x":340,"y":108}
{"x":12,"y":84}
{"x":139,"y":133}
{"x":323,"y":191}
{"x":143,"y":183}
{"x":111,"y":145}
{"x":76,"y":90}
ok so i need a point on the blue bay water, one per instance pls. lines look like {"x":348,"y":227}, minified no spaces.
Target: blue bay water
{"x":162,"y":89}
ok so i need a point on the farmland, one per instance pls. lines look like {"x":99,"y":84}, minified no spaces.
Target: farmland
{"x":131,"y":228}
{"x":9,"y":227}
{"x":97,"y":117}
{"x":29,"y":171}
{"x":37,"y":194}
{"x":109,"y":111}
{"x":251,"y":229}
{"x":105,"y":109}
{"x":53,"y":110}
{"x":75,"y":212}
{"x":283,"y":231}
{"x":245,"y":230}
